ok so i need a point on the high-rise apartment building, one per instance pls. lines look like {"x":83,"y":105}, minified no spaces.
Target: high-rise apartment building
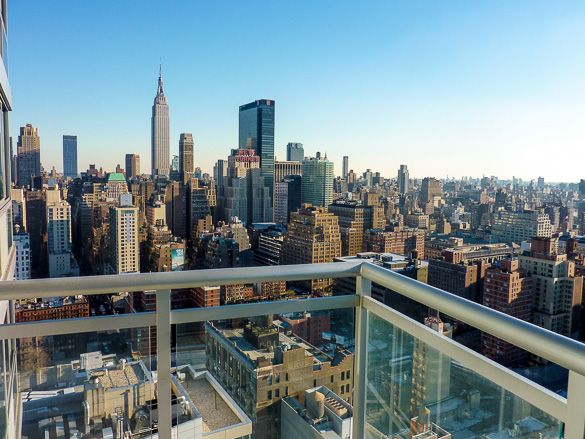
{"x":280,"y":202}
{"x":354,"y":219}
{"x":557,"y":289}
{"x":160,"y":132}
{"x":70,"y":156}
{"x":295,"y":152}
{"x":256,"y":131}
{"x":59,"y":244}
{"x":403,"y":179}
{"x":520,"y":226}
{"x":317,"y":181}
{"x":507,"y":290}
{"x":22,"y":264}
{"x":124,"y":246}
{"x":186,"y":156}
{"x":345,"y":166}
{"x":29,"y":155}
{"x":132,"y":166}
{"x":313,"y":236}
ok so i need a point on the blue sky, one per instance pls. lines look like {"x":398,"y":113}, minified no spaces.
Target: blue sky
{"x":448,"y":87}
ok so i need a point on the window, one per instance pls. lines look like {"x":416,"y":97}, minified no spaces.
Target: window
{"x":269,"y":395}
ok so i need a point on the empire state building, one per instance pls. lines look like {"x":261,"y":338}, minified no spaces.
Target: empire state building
{"x":160,"y":139}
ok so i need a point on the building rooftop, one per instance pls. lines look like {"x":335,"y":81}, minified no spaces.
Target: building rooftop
{"x":217,"y":410}
{"x":286,"y":342}
{"x":116,"y":176}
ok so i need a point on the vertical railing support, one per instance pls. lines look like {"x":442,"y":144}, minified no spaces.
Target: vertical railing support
{"x":575,"y":425}
{"x":363,"y":288}
{"x":163,"y":355}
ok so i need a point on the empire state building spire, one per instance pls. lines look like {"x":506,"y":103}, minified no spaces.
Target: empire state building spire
{"x":160,"y":132}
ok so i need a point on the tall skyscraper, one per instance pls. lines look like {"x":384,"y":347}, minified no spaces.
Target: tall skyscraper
{"x":160,"y":140}
{"x":557,"y":287}
{"x":132,"y":165}
{"x":29,"y":155}
{"x":403,"y":179}
{"x":295,"y":152}
{"x":186,"y":156}
{"x":70,"y":156}
{"x":220,"y":171}
{"x":317,"y":181}
{"x":257,"y":132}
{"x":345,"y":166}
{"x":124,"y":247}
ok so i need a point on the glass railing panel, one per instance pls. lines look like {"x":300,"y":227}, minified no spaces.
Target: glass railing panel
{"x":413,"y":390}
{"x":95,"y":384}
{"x":252,"y":375}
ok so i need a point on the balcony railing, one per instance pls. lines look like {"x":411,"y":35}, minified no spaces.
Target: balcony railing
{"x":408,"y":380}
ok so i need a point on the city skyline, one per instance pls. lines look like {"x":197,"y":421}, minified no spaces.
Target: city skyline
{"x":444,"y":88}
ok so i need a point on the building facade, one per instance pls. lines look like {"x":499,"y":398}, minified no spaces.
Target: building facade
{"x":520,"y":226}
{"x":283,"y":169}
{"x":557,"y":289}
{"x":313,"y":237}
{"x":507,"y":290}
{"x":354,"y":219}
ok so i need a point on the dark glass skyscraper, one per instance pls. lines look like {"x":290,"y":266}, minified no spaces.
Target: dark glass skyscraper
{"x":70,"y":156}
{"x":295,"y":152}
{"x":257,"y":132}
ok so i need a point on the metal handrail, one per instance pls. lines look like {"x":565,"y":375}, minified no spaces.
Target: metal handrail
{"x":90,"y":285}
{"x":554,"y":347}
{"x":546,"y":344}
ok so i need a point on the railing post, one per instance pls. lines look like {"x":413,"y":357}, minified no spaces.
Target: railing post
{"x":575,"y":425}
{"x":363,"y":288}
{"x":163,"y":354}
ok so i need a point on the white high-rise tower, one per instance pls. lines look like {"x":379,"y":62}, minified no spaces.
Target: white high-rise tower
{"x":160,"y":140}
